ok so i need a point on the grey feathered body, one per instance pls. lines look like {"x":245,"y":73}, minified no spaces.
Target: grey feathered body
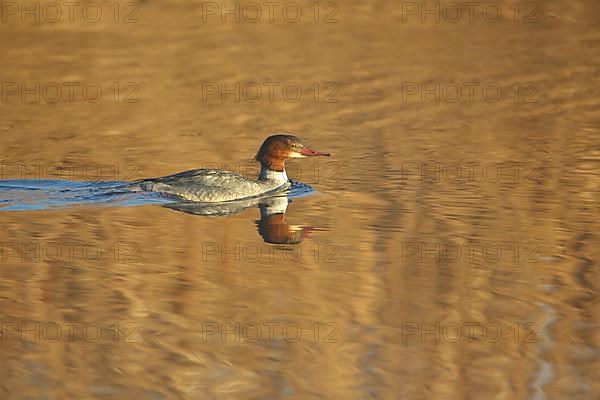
{"x":211,"y":186}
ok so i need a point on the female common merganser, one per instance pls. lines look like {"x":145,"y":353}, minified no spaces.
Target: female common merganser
{"x":212,"y":186}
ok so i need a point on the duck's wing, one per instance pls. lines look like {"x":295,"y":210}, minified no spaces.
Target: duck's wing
{"x":205,"y":177}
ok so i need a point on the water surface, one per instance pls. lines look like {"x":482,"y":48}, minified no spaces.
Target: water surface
{"x":450,"y":251}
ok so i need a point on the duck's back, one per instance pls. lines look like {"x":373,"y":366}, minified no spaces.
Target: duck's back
{"x":208,"y":185}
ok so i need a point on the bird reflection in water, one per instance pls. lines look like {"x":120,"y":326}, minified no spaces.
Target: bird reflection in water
{"x":271,"y":226}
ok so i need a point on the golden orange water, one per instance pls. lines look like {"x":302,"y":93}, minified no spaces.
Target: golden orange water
{"x":450,"y":252}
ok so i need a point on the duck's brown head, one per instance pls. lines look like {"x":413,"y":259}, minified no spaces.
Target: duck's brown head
{"x":278,"y":148}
